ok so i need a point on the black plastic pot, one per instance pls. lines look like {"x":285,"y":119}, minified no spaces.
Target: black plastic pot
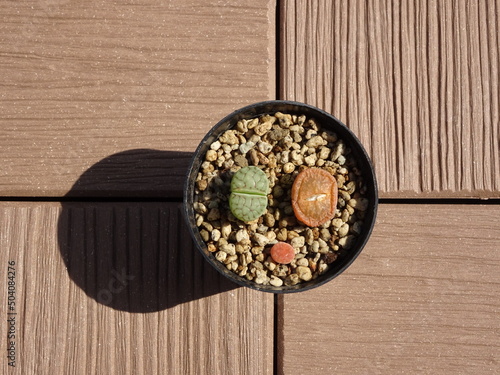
{"x":327,"y":121}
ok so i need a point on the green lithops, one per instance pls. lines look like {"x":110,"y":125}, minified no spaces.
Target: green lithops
{"x":249,"y":189}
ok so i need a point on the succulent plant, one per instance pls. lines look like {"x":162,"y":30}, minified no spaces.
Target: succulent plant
{"x":249,"y":189}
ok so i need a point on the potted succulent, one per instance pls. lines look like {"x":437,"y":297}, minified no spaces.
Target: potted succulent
{"x":280,"y":196}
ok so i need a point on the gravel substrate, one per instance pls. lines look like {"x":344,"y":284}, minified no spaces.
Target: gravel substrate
{"x":281,"y":145}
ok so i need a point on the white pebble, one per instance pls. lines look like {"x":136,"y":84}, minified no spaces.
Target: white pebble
{"x":302,"y":262}
{"x":311,"y":133}
{"x":322,"y":243}
{"x":226,"y":230}
{"x":200,"y":208}
{"x":221,"y":256}
{"x":199,"y":220}
{"x":298,"y":242}
{"x":260,"y":239}
{"x":315,"y":141}
{"x":215,"y":146}
{"x":264,"y":147}
{"x":285,"y":157}
{"x":315,"y":247}
{"x":241,"y":235}
{"x":337,"y":223}
{"x":296,"y":157}
{"x":324,"y":152}
{"x":229,"y":248}
{"x":339,"y":150}
{"x":343,"y":230}
{"x":311,"y":160}
{"x":288,"y":168}
{"x":304,"y":273}
{"x":275,"y":281}
{"x":242,"y":126}
{"x":245,"y":147}
{"x":215,"y":235}
{"x":244,"y":271}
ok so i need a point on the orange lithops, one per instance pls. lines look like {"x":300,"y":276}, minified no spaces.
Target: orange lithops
{"x":314,"y":196}
{"x":282,"y":252}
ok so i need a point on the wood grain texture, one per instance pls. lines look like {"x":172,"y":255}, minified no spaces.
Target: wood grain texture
{"x":417,"y":81}
{"x":117,"y":289}
{"x":80,"y":82}
{"x":422,"y":298}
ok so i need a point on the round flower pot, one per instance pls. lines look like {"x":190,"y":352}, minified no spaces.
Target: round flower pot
{"x":364,"y":170}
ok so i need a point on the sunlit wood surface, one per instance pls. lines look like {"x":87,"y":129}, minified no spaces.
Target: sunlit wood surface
{"x":101,"y":107}
{"x":417,"y":81}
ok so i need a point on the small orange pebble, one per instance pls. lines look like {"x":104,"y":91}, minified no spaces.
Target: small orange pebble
{"x":283,"y":253}
{"x":314,"y":196}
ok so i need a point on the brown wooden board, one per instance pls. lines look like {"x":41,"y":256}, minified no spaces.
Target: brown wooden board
{"x":422,"y":298}
{"x":417,"y":81}
{"x":117,"y":288}
{"x":83,"y":81}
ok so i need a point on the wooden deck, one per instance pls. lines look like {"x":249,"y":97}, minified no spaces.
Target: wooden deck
{"x":101,"y":107}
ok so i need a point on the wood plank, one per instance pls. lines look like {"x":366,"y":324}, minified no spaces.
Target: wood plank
{"x":111,"y":288}
{"x":417,"y":81}
{"x":422,"y":298}
{"x":80,"y":82}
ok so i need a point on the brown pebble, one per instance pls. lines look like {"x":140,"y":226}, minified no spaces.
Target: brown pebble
{"x":202,"y":184}
{"x":278,"y":134}
{"x":283,"y":223}
{"x":278,"y":191}
{"x":254,"y":158}
{"x":330,"y":258}
{"x":325,"y":234}
{"x":282,"y":234}
{"x":309,"y":236}
{"x":292,"y":279}
{"x":214,"y":214}
{"x":204,"y":235}
{"x":211,"y":155}
{"x":252,"y":123}
{"x":241,"y":160}
{"x":269,"y":220}
{"x":272,"y":161}
{"x":263,"y":128}
{"x":260,"y":257}
{"x":229,"y":137}
{"x":292,"y":234}
{"x":262,"y":158}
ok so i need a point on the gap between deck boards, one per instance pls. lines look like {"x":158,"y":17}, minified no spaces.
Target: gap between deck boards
{"x":99,"y":199}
